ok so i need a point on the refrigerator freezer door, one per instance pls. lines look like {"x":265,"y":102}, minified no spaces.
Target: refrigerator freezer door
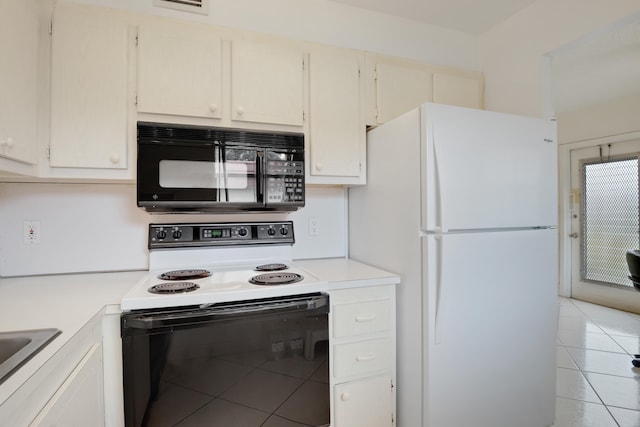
{"x":484,"y":170}
{"x":491,"y":317}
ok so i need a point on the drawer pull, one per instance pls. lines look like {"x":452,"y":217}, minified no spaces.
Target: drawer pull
{"x":365,"y":357}
{"x":345,"y":396}
{"x":365,"y":318}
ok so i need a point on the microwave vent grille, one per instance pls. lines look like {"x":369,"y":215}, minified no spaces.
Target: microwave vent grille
{"x":209,"y":135}
{"x":195,"y":6}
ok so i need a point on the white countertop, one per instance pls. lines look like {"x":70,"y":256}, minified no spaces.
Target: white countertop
{"x":67,"y":302}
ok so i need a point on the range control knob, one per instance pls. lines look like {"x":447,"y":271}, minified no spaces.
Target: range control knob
{"x":242,"y":232}
{"x":161,"y":234}
{"x":177,"y":233}
{"x":271,"y":231}
{"x":284,"y":231}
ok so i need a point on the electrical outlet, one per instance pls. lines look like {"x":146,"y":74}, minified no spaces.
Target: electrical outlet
{"x":31,"y":232}
{"x":314,"y":226}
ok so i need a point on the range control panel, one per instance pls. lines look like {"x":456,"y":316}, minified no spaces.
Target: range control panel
{"x":220,"y":234}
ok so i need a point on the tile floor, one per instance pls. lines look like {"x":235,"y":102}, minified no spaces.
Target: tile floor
{"x":596,"y":385}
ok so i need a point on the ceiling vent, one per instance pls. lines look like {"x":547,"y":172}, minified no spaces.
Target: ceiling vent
{"x":194,"y":6}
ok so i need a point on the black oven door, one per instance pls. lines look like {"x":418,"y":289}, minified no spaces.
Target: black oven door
{"x":198,"y":176}
{"x":243,"y":363}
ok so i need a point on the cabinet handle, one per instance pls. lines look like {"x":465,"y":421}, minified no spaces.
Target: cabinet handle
{"x":213,"y":108}
{"x":240,"y":110}
{"x":365,"y":357}
{"x":345,"y":396}
{"x":10,"y":142}
{"x":319,"y":166}
{"x":365,"y":318}
{"x":114,"y":158}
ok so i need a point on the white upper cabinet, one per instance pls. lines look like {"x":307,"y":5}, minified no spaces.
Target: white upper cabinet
{"x":460,"y":90}
{"x":396,"y":86}
{"x":400,"y":88}
{"x":89,"y":81}
{"x":180,"y":70}
{"x":267,"y":83}
{"x":337,"y":140}
{"x":18,"y":80}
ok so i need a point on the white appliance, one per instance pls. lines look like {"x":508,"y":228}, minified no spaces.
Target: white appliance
{"x":230,"y":254}
{"x":461,"y":204}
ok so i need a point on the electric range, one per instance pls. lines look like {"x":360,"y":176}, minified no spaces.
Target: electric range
{"x":208,"y":263}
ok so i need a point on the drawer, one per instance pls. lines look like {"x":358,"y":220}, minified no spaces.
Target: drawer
{"x":362,"y":357}
{"x":361,"y":318}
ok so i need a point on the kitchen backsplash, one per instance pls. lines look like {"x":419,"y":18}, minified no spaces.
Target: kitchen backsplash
{"x":97,"y":227}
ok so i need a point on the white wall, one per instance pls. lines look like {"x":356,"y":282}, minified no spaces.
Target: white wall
{"x":99,"y":228}
{"x":613,"y":117}
{"x":516,"y":72}
{"x":331,"y":23}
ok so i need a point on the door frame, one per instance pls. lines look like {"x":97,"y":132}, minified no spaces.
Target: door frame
{"x":564,"y":195}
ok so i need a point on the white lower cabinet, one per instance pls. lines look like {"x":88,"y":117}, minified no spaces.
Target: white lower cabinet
{"x":362,"y":365}
{"x":364,"y":403}
{"x":67,"y":389}
{"x":80,"y":399}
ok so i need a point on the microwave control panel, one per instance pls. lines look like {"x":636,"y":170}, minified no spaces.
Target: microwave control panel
{"x":220,"y":234}
{"x":284,"y":181}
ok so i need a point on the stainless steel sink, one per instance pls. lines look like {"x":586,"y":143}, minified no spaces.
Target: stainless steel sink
{"x":17,"y":347}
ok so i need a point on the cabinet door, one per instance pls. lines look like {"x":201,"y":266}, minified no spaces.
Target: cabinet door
{"x":88,"y":88}
{"x":266,"y":83}
{"x":79,"y":401}
{"x":364,"y":403}
{"x":336,"y":116}
{"x":457,"y":90}
{"x":179,"y":70}
{"x":18,"y":79}
{"x":400,"y":88}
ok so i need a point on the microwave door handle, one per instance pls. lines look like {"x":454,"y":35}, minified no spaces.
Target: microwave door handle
{"x":259,"y":184}
{"x":216,"y":170}
{"x":223,"y":158}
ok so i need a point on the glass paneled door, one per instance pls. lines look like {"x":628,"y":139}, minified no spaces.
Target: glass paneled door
{"x":605,"y":223}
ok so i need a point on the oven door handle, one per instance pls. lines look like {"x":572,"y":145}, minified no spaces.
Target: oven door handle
{"x":309,"y":305}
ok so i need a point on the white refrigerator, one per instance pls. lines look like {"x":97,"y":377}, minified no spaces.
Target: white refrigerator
{"x":462,"y":204}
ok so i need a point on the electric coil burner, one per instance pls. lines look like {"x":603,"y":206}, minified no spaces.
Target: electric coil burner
{"x":272,"y":279}
{"x":173,"y":288}
{"x":184,"y":274}
{"x":272,"y":267}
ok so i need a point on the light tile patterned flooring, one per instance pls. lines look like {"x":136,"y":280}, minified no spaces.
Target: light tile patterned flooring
{"x":596,"y":384}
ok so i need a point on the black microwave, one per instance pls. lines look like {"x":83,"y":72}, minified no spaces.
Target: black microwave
{"x":199,"y":169}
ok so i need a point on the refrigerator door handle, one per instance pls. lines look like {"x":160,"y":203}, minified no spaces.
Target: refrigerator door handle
{"x":437,"y":188}
{"x":435,"y":293}
{"x":432,"y":180}
{"x":440,"y":292}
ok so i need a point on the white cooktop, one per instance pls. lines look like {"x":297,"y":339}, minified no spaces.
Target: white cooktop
{"x":231,"y":269}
